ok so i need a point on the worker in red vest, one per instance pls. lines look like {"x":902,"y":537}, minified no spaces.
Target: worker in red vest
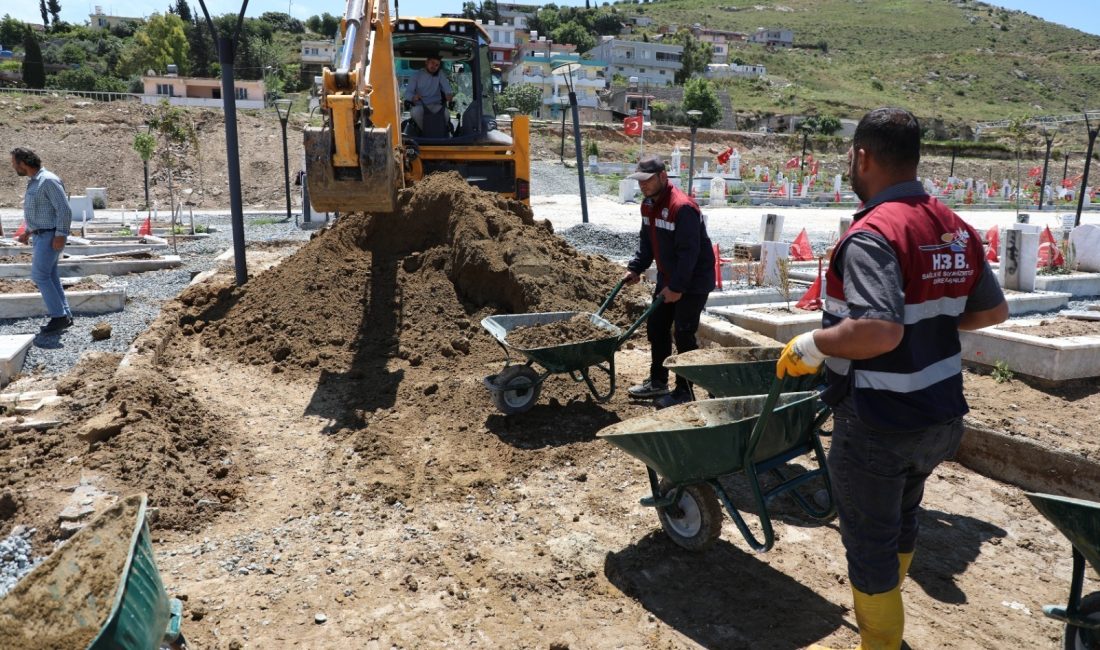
{"x":905,"y":278}
{"x":674,"y":236}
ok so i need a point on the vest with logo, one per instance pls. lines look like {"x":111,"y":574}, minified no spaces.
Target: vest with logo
{"x":659,"y":227}
{"x":919,"y":383}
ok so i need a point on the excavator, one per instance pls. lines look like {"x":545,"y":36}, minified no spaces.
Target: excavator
{"x":364,"y":152}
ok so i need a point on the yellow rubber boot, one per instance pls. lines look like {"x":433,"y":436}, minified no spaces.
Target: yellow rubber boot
{"x":880,"y":617}
{"x":904,"y":561}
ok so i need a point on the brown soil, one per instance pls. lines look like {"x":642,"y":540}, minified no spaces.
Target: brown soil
{"x":65,"y":601}
{"x":576,"y":329}
{"x":368,"y":478}
{"x":784,"y":311}
{"x":1052,"y":328}
{"x":26,"y":286}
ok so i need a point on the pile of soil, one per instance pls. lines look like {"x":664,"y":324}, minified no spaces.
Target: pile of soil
{"x":576,"y":329}
{"x":65,"y":601}
{"x":137,"y":429}
{"x":1052,"y":328}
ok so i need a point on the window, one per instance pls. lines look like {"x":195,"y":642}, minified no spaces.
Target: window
{"x":641,"y":69}
{"x":165,"y":89}
{"x":662,"y":72}
{"x":241,"y":93}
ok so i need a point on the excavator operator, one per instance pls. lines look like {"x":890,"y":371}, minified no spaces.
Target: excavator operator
{"x":428,"y":89}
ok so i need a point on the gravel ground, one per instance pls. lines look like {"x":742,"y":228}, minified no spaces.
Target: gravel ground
{"x":15,"y":558}
{"x":145,"y":293}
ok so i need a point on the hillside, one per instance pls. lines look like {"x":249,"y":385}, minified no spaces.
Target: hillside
{"x":955,"y":60}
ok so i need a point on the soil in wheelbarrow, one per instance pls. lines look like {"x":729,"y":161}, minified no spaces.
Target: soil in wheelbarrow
{"x":576,"y":329}
{"x":65,"y":601}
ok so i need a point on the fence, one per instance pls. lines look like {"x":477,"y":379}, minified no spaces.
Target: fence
{"x":89,"y":94}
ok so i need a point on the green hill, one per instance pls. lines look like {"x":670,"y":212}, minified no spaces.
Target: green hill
{"x":956,"y":60}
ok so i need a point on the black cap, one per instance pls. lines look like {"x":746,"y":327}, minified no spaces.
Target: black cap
{"x":647,"y":167}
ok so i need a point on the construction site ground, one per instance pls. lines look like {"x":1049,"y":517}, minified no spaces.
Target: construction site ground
{"x":328,"y":471}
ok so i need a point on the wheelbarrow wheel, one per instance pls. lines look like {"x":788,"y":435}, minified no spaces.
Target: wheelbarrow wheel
{"x":518,"y":390}
{"x":1080,"y":638}
{"x":695,"y":521}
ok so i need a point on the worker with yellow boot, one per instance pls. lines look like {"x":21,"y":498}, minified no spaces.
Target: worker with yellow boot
{"x":905,"y":278}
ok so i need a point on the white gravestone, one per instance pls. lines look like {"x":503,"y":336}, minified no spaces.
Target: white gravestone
{"x":770,"y":254}
{"x":674,"y":159}
{"x":735,"y":165}
{"x":845,"y":224}
{"x":1019,"y":253}
{"x":771,"y":227}
{"x":628,"y":187}
{"x":82,"y":208}
{"x":717,"y":191}
{"x":1086,"y":245}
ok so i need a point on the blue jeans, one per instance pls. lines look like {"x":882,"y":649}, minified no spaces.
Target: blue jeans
{"x":878,"y":483}
{"x":45,"y":276}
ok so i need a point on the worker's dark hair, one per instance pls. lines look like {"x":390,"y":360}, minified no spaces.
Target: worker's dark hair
{"x":891,"y":136}
{"x":434,"y":55}
{"x":27,"y":157}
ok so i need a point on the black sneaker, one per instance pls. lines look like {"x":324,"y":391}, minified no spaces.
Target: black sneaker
{"x":57,"y":324}
{"x":678,"y":396}
{"x":648,"y":389}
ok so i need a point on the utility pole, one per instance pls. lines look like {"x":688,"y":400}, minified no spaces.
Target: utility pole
{"x":1093,"y":130}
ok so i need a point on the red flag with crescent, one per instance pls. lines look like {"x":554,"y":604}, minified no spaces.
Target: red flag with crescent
{"x":633,"y":125}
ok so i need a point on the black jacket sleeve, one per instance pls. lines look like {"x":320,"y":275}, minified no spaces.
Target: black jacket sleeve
{"x":689,"y":234}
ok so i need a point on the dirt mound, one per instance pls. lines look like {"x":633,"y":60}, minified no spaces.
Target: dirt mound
{"x":138,"y":431}
{"x":403,"y":284}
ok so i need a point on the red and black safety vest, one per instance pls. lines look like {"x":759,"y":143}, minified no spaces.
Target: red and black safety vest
{"x":683,"y":271}
{"x":919,"y":383}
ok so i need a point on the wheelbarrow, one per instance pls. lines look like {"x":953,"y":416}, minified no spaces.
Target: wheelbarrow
{"x":736,"y":372}
{"x":689,"y":449}
{"x":515,"y":389}
{"x":1079,"y":521}
{"x":132,"y":612}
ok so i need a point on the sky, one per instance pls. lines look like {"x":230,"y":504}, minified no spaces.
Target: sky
{"x":1073,"y":13}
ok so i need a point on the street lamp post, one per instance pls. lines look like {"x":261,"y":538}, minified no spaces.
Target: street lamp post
{"x":282,"y":107}
{"x":566,"y":71}
{"x":693,"y":116}
{"x":1093,"y":129}
{"x":1048,"y":136}
{"x":954,"y":151}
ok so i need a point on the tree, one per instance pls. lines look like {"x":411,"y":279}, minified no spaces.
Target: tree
{"x":574,"y":34}
{"x":45,"y":14}
{"x":159,"y":42}
{"x":326,"y":25}
{"x":177,"y":136}
{"x":200,"y":48}
{"x":546,"y":20}
{"x":700,"y":95}
{"x":82,"y":78}
{"x":282,"y":22}
{"x":183,"y":10}
{"x":11,"y":31}
{"x":55,"y":12}
{"x":523,"y":96}
{"x":73,"y":53}
{"x":34,"y":69}
{"x":145,"y":144}
{"x":607,"y":25}
{"x":695,"y":57}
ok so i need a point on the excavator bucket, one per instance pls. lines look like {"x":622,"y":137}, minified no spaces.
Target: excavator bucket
{"x":370,"y":187}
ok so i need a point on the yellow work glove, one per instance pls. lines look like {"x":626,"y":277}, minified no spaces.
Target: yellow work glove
{"x":800,"y":357}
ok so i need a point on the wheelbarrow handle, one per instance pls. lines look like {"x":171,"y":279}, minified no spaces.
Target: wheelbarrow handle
{"x":766,"y":413}
{"x":614,"y":292}
{"x":657,"y":300}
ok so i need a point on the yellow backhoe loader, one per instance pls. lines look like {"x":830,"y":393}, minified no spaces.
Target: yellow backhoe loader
{"x":364,"y":153}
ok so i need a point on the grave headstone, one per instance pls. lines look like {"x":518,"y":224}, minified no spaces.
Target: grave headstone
{"x":1086,"y":244}
{"x":82,"y":208}
{"x":845,"y":224}
{"x":706,"y":167}
{"x":771,"y":227}
{"x":735,"y":165}
{"x":97,"y":193}
{"x":1019,"y":253}
{"x":628,"y":187}
{"x":717,"y":191}
{"x":770,"y":254}
{"x":674,"y":159}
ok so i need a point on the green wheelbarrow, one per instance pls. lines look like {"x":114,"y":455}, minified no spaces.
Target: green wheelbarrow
{"x":736,"y":372}
{"x":515,"y":389}
{"x":1079,"y":521}
{"x":94,"y":593}
{"x":688,"y":450}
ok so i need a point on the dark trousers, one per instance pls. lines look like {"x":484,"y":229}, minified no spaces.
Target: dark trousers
{"x":878,"y":483}
{"x":680,"y":318}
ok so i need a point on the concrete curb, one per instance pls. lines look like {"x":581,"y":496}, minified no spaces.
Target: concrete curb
{"x":1027,"y":464}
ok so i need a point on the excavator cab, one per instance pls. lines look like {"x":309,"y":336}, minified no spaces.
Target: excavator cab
{"x":366,"y":150}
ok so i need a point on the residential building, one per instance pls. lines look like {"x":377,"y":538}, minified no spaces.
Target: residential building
{"x":733,"y":71}
{"x":199,"y":91}
{"x":652,"y":63}
{"x":588,"y":81}
{"x":540,"y":46}
{"x":719,"y":40}
{"x":100,"y":20}
{"x":773,"y":37}
{"x":315,"y":56}
{"x":502,"y":44}
{"x":640,"y":21}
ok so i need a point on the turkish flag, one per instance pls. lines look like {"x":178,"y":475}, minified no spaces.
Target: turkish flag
{"x":22,"y":229}
{"x":812,"y":298}
{"x":813,"y":168}
{"x":146,"y":227}
{"x":836,"y":197}
{"x":993,"y":236}
{"x":800,"y":249}
{"x":792,"y":163}
{"x":632,"y":125}
{"x":1035,"y":171}
{"x":724,"y":157}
